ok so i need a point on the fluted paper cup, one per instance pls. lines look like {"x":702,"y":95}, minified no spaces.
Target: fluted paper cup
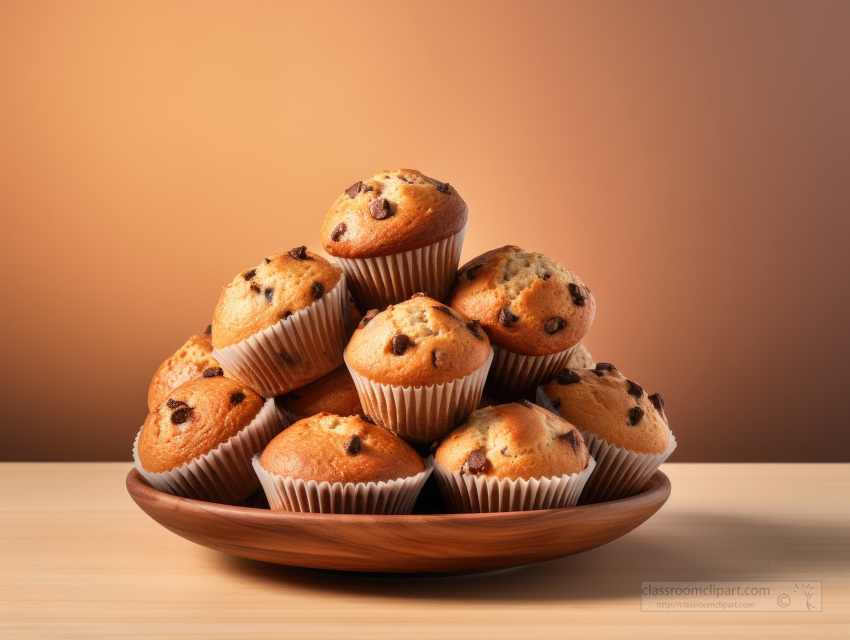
{"x":513,"y":374}
{"x":295,"y":350}
{"x":426,"y":413}
{"x":620,"y":473}
{"x":390,"y":497}
{"x":479,"y":494}
{"x":223,"y":474}
{"x":384,"y":280}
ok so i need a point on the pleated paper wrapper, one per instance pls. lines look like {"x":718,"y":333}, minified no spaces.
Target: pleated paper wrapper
{"x":392,"y":497}
{"x":514,"y":374}
{"x":224,"y":474}
{"x":385,"y":280}
{"x":422,"y":414}
{"x":295,"y":350}
{"x":620,"y":472}
{"x":479,"y":494}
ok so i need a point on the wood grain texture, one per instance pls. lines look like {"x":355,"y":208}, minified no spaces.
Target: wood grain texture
{"x":78,"y":559}
{"x":400,"y":543}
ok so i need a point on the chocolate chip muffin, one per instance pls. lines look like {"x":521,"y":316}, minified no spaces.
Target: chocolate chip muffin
{"x":198,"y":443}
{"x":532,"y":308}
{"x":419,"y":367}
{"x":395,"y":234}
{"x":193,"y":360}
{"x":334,"y":393}
{"x":312,"y":465}
{"x":281,"y":324}
{"x":503,"y":445}
{"x":616,"y":409}
{"x":580,"y":358}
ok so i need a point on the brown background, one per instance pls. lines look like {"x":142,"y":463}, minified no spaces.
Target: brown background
{"x":688,"y":160}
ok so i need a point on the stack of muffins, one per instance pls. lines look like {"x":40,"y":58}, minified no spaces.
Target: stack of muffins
{"x":340,"y":388}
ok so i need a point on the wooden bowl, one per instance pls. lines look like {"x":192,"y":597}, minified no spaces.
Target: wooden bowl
{"x":417,"y":543}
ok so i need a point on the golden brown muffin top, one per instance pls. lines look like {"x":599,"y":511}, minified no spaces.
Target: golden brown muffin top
{"x":527,"y":303}
{"x":616,"y":409}
{"x":192,"y":360}
{"x":392,"y":212}
{"x":334,"y":393}
{"x":278,"y":287}
{"x":417,"y":342}
{"x":196,"y":418}
{"x":513,"y":441}
{"x":325,"y":447}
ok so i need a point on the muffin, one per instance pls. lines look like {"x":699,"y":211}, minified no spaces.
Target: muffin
{"x":625,"y":429}
{"x":512,"y":457}
{"x":199,"y":442}
{"x":280,"y":325}
{"x":340,"y":464}
{"x":334,"y":393}
{"x":419,"y":367}
{"x":193,"y":360}
{"x":532,"y":308}
{"x":395,"y":234}
{"x":580,"y":358}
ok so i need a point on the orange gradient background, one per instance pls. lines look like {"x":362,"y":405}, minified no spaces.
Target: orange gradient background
{"x":689,"y":160}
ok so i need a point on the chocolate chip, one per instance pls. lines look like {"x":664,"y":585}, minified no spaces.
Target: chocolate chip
{"x":287,"y":314}
{"x":366,"y":189}
{"x":473,"y":271}
{"x":208,"y":330}
{"x":602,"y":367}
{"x":419,"y":294}
{"x":236,"y":398}
{"x":255,"y":288}
{"x":657,"y":402}
{"x":635,"y":415}
{"x":380,"y":208}
{"x":339,"y":231}
{"x":173,"y":404}
{"x":286,"y":357}
{"x":249,"y":274}
{"x":475,"y":329}
{"x":577,"y":294}
{"x":506,"y":318}
{"x":299,"y":253}
{"x":504,"y":452}
{"x":352,"y":445}
{"x":434,"y":358}
{"x":366,"y":418}
{"x":181,"y":415}
{"x":574,"y":438}
{"x":634,"y":389}
{"x":269,"y":293}
{"x":294,"y":395}
{"x":443,"y":187}
{"x":400,"y":342}
{"x":525,"y":403}
{"x":268,"y":260}
{"x":553,"y":325}
{"x":365,"y":319}
{"x":556,"y":403}
{"x":318,"y":290}
{"x":444,"y":309}
{"x":354,"y":189}
{"x":212,"y":372}
{"x":434,"y":446}
{"x":475,"y":463}
{"x":568,"y":376}
{"x":546,"y":277}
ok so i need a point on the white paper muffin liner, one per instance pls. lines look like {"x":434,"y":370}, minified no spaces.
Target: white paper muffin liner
{"x":295,"y":350}
{"x":478,"y":494}
{"x":223,"y":474}
{"x":392,"y":497}
{"x":620,"y":473}
{"x":426,"y":413}
{"x":513,"y":374}
{"x":384,"y":280}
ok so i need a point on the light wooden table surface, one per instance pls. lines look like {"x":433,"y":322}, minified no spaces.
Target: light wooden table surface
{"x":79,"y":559}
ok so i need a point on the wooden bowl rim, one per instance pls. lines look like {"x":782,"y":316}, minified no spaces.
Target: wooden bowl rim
{"x":658,"y":488}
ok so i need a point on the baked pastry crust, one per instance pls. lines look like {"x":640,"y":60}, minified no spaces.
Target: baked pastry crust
{"x":527,"y":303}
{"x":334,"y":393}
{"x":196,"y":418}
{"x":517,"y":440}
{"x":601,"y":402}
{"x":419,"y":211}
{"x":187,"y":363}
{"x":319,"y":448}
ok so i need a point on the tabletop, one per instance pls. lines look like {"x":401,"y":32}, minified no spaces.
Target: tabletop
{"x":79,"y":559}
